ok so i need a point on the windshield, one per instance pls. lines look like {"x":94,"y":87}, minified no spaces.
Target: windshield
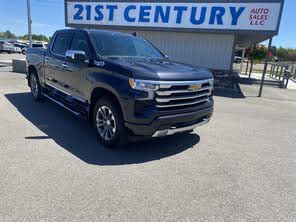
{"x":114,"y":45}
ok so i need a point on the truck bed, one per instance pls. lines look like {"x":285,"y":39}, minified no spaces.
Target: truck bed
{"x":35,"y":56}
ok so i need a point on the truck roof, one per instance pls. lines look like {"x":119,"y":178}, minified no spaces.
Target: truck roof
{"x":96,"y":30}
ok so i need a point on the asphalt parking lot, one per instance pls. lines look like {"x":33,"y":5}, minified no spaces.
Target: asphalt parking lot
{"x":239,"y":167}
{"x":5,"y":56}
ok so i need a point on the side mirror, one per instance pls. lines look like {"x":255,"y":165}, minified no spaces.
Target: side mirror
{"x":166,"y":56}
{"x":75,"y":55}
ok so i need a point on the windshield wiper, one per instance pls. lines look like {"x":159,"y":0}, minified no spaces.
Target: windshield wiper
{"x":135,"y":57}
{"x":112,"y":57}
{"x":119,"y":56}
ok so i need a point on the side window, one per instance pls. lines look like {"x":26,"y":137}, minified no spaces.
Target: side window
{"x":80,"y":43}
{"x":62,"y":43}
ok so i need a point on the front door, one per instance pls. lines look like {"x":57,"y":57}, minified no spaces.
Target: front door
{"x":76,"y":70}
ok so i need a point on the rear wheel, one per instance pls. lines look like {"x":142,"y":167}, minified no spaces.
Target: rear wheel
{"x":35,"y":86}
{"x":108,"y":123}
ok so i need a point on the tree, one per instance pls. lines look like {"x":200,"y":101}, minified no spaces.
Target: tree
{"x":286,"y":54}
{"x":7,"y":35}
{"x":292,"y":55}
{"x":36,"y":37}
{"x":282,"y":54}
{"x":259,"y":54}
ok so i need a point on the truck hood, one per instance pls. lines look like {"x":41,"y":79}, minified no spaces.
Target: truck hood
{"x":162,"y":69}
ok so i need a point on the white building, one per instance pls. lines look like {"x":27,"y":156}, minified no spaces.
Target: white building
{"x":203,"y":33}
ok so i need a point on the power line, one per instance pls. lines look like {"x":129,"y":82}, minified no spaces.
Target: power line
{"x":50,"y":2}
{"x":45,"y":6}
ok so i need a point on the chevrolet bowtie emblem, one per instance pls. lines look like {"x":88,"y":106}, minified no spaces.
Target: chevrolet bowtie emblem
{"x":194,"y":87}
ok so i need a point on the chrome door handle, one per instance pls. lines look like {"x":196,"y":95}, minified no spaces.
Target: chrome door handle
{"x":64,"y":65}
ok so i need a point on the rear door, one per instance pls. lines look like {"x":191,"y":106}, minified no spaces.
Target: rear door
{"x":55,"y":61}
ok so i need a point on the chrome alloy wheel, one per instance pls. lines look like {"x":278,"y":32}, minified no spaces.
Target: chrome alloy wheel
{"x":106,"y":124}
{"x":34,"y":86}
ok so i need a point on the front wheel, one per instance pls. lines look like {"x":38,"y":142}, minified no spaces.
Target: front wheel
{"x":108,"y":123}
{"x":35,"y":86}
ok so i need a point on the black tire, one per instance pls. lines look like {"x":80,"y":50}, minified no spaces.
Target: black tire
{"x":35,"y":89}
{"x":120,"y":137}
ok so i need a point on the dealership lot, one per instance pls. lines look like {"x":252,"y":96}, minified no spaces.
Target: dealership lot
{"x":6,"y":59}
{"x":240,"y":167}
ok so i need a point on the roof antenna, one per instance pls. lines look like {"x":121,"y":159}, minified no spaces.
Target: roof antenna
{"x":135,"y":34}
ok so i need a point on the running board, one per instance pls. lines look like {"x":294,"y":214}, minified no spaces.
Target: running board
{"x":62,"y":105}
{"x":66,"y":100}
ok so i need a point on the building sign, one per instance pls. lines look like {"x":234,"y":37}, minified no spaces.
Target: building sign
{"x":216,"y":16}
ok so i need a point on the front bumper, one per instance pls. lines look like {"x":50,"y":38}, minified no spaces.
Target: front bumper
{"x":171,"y":124}
{"x":172,"y":131}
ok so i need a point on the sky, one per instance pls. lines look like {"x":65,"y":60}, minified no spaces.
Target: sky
{"x":48,"y":16}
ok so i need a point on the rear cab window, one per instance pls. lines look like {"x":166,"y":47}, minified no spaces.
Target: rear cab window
{"x":37,"y":45}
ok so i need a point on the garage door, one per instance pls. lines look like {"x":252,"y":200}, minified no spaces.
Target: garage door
{"x":207,"y":50}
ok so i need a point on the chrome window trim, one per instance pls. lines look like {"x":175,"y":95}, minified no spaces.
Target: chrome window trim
{"x":69,"y":94}
{"x":57,"y":88}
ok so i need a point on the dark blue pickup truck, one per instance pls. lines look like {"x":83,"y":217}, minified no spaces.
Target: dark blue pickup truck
{"x":123,"y":84}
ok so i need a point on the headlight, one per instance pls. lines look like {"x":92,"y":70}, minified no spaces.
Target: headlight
{"x":143,"y":85}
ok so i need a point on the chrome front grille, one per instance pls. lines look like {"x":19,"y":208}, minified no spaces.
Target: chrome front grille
{"x":183,"y":93}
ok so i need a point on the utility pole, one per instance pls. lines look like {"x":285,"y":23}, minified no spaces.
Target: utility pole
{"x":265,"y":67}
{"x":252,"y":61}
{"x":29,"y":22}
{"x":242,"y":62}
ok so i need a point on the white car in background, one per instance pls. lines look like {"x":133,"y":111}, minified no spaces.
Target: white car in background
{"x":237,"y":59}
{"x":17,"y":49}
